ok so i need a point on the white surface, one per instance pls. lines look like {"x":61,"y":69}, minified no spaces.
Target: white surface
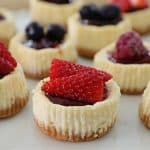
{"x":20,"y":132}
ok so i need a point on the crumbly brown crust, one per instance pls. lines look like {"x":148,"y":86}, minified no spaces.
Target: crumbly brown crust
{"x":143,"y":31}
{"x":131,"y":91}
{"x":86,"y":53}
{"x":144,"y":118}
{"x":51,"y":131}
{"x":5,"y":41}
{"x":36,"y":76}
{"x":14,"y":108}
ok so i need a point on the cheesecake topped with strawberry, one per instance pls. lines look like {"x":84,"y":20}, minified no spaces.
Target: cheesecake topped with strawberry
{"x":75,"y":84}
{"x":13,"y":87}
{"x":74,"y":99}
{"x":136,"y":10}
{"x":7,"y":62}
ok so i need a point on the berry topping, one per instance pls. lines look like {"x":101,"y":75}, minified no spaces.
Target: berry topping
{"x":130,"y":49}
{"x":76,"y":82}
{"x":38,"y":39}
{"x":59,"y":1}
{"x":110,"y":12}
{"x":85,"y":87}
{"x":62,"y":68}
{"x":90,"y":12}
{"x":34,"y":31}
{"x":55,"y":33}
{"x":107,"y":14}
{"x":7,"y":62}
{"x":131,"y":5}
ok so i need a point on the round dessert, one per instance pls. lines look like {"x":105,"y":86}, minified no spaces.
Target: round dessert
{"x":136,"y":11}
{"x":6,"y":24}
{"x":127,"y":60}
{"x":144,"y":110}
{"x":51,"y":10}
{"x":75,"y":103}
{"x":13,"y":88}
{"x":35,"y":48}
{"x":89,"y":30}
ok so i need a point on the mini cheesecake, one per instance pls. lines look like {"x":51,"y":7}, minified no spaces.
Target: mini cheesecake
{"x":75,"y":103}
{"x":13,"y":87}
{"x":90,"y":28}
{"x":7,"y":26}
{"x":53,"y":11}
{"x":144,"y":110}
{"x":127,"y":60}
{"x":35,"y":50}
{"x":136,"y":11}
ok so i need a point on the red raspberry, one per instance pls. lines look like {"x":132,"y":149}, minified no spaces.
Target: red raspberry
{"x":129,"y":48}
{"x":7,"y":62}
{"x":84,"y":87}
{"x":62,"y":68}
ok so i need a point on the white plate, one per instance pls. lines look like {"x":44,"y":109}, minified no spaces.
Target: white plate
{"x":20,"y":132}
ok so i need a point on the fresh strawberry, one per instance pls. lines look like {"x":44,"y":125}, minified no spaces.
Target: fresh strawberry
{"x":139,"y":3}
{"x":7,"y":62}
{"x":83,"y":87}
{"x":123,"y":4}
{"x":62,"y":68}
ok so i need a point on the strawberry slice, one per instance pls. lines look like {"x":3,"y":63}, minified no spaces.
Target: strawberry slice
{"x":83,"y":87}
{"x":123,"y":4}
{"x":139,"y":3}
{"x":7,"y":62}
{"x":62,"y":68}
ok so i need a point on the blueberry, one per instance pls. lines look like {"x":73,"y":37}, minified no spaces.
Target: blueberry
{"x":55,"y":33}
{"x":88,"y":11}
{"x":110,"y":12}
{"x":34,"y":31}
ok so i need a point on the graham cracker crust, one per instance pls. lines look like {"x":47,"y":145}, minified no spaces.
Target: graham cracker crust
{"x":86,"y":53}
{"x":52,"y":132}
{"x":14,"y":108}
{"x":38,"y":76}
{"x":143,"y":31}
{"x":132,"y":92}
{"x":5,"y":41}
{"x":144,"y":118}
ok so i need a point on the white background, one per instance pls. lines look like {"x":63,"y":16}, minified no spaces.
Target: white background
{"x":20,"y":132}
